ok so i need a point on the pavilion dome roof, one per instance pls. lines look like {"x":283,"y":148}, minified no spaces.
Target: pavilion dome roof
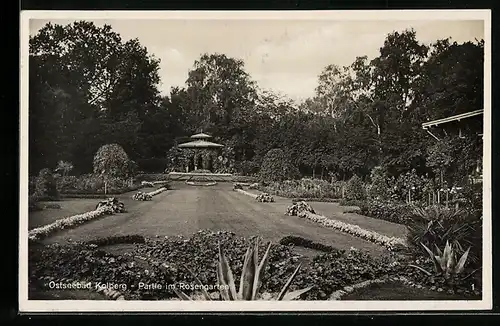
{"x":200,"y":144}
{"x":201,"y":135}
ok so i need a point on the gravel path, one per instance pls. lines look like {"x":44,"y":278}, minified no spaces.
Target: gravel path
{"x":187,"y":209}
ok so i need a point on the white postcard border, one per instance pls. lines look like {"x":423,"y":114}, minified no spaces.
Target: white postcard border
{"x":43,"y":306}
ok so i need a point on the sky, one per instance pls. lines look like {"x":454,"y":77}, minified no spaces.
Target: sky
{"x":285,"y":56}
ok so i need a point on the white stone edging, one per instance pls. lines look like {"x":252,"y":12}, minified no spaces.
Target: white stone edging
{"x":157,"y":191}
{"x":389,"y":242}
{"x":254,"y":196}
{"x":67,"y":222}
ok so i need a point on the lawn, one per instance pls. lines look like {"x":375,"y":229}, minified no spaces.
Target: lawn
{"x":187,"y":209}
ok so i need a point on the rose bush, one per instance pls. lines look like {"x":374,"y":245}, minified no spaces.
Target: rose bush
{"x":264,"y":198}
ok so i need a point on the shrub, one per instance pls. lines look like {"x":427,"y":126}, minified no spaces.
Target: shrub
{"x":381,"y":183}
{"x":247,"y":167}
{"x":278,"y":166}
{"x":436,"y":225}
{"x":113,"y":204}
{"x":388,"y":210}
{"x":355,"y":189}
{"x":237,"y":186}
{"x":65,"y":183}
{"x":111,"y":160}
{"x":303,"y":188}
{"x":410,"y":182}
{"x":350,"y":202}
{"x":299,"y":208}
{"x":93,"y":184}
{"x":142,"y":196}
{"x":265,"y":198}
{"x":46,"y":185}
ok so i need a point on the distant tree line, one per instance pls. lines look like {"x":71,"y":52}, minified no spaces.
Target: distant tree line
{"x":88,"y":88}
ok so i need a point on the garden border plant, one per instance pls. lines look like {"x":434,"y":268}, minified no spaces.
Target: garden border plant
{"x":300,"y":209}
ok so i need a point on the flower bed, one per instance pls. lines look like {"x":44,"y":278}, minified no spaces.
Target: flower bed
{"x":321,"y":200}
{"x":264,"y":198}
{"x":165,"y":260}
{"x":168,"y":261}
{"x":142,"y":196}
{"x":298,"y":208}
{"x":391,"y":243}
{"x":157,"y":191}
{"x":68,"y":222}
{"x":113,"y":204}
{"x":304,"y":188}
{"x":147,"y":184}
{"x":392,"y":211}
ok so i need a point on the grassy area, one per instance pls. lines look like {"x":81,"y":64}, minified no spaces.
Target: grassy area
{"x":398,"y":291}
{"x":187,"y":209}
{"x":343,"y":213}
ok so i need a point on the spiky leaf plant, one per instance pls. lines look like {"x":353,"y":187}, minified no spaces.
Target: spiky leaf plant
{"x":250,"y":281}
{"x":445,"y":262}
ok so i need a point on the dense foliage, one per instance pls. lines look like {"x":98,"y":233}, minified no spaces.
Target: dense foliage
{"x":46,"y":186}
{"x":166,"y":261}
{"x":367,"y":114}
{"x":277,"y":165}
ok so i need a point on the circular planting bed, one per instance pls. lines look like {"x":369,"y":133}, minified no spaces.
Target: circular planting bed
{"x":204,"y":184}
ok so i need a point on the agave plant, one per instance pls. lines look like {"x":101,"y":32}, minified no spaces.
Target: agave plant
{"x":445,"y":263}
{"x":250,"y":281}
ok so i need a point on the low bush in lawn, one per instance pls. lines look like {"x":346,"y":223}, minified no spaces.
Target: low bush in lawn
{"x":170,"y":260}
{"x":304,"y":188}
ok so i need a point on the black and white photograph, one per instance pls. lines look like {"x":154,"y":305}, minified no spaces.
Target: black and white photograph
{"x":311,"y":161}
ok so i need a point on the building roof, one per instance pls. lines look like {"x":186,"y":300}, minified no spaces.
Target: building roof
{"x":201,"y":136}
{"x":457,"y":117}
{"x":200,"y":144}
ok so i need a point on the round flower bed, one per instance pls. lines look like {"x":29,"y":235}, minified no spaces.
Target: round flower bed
{"x":113,"y":204}
{"x":298,"y":208}
{"x":265,"y":198}
{"x":142,"y":196}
